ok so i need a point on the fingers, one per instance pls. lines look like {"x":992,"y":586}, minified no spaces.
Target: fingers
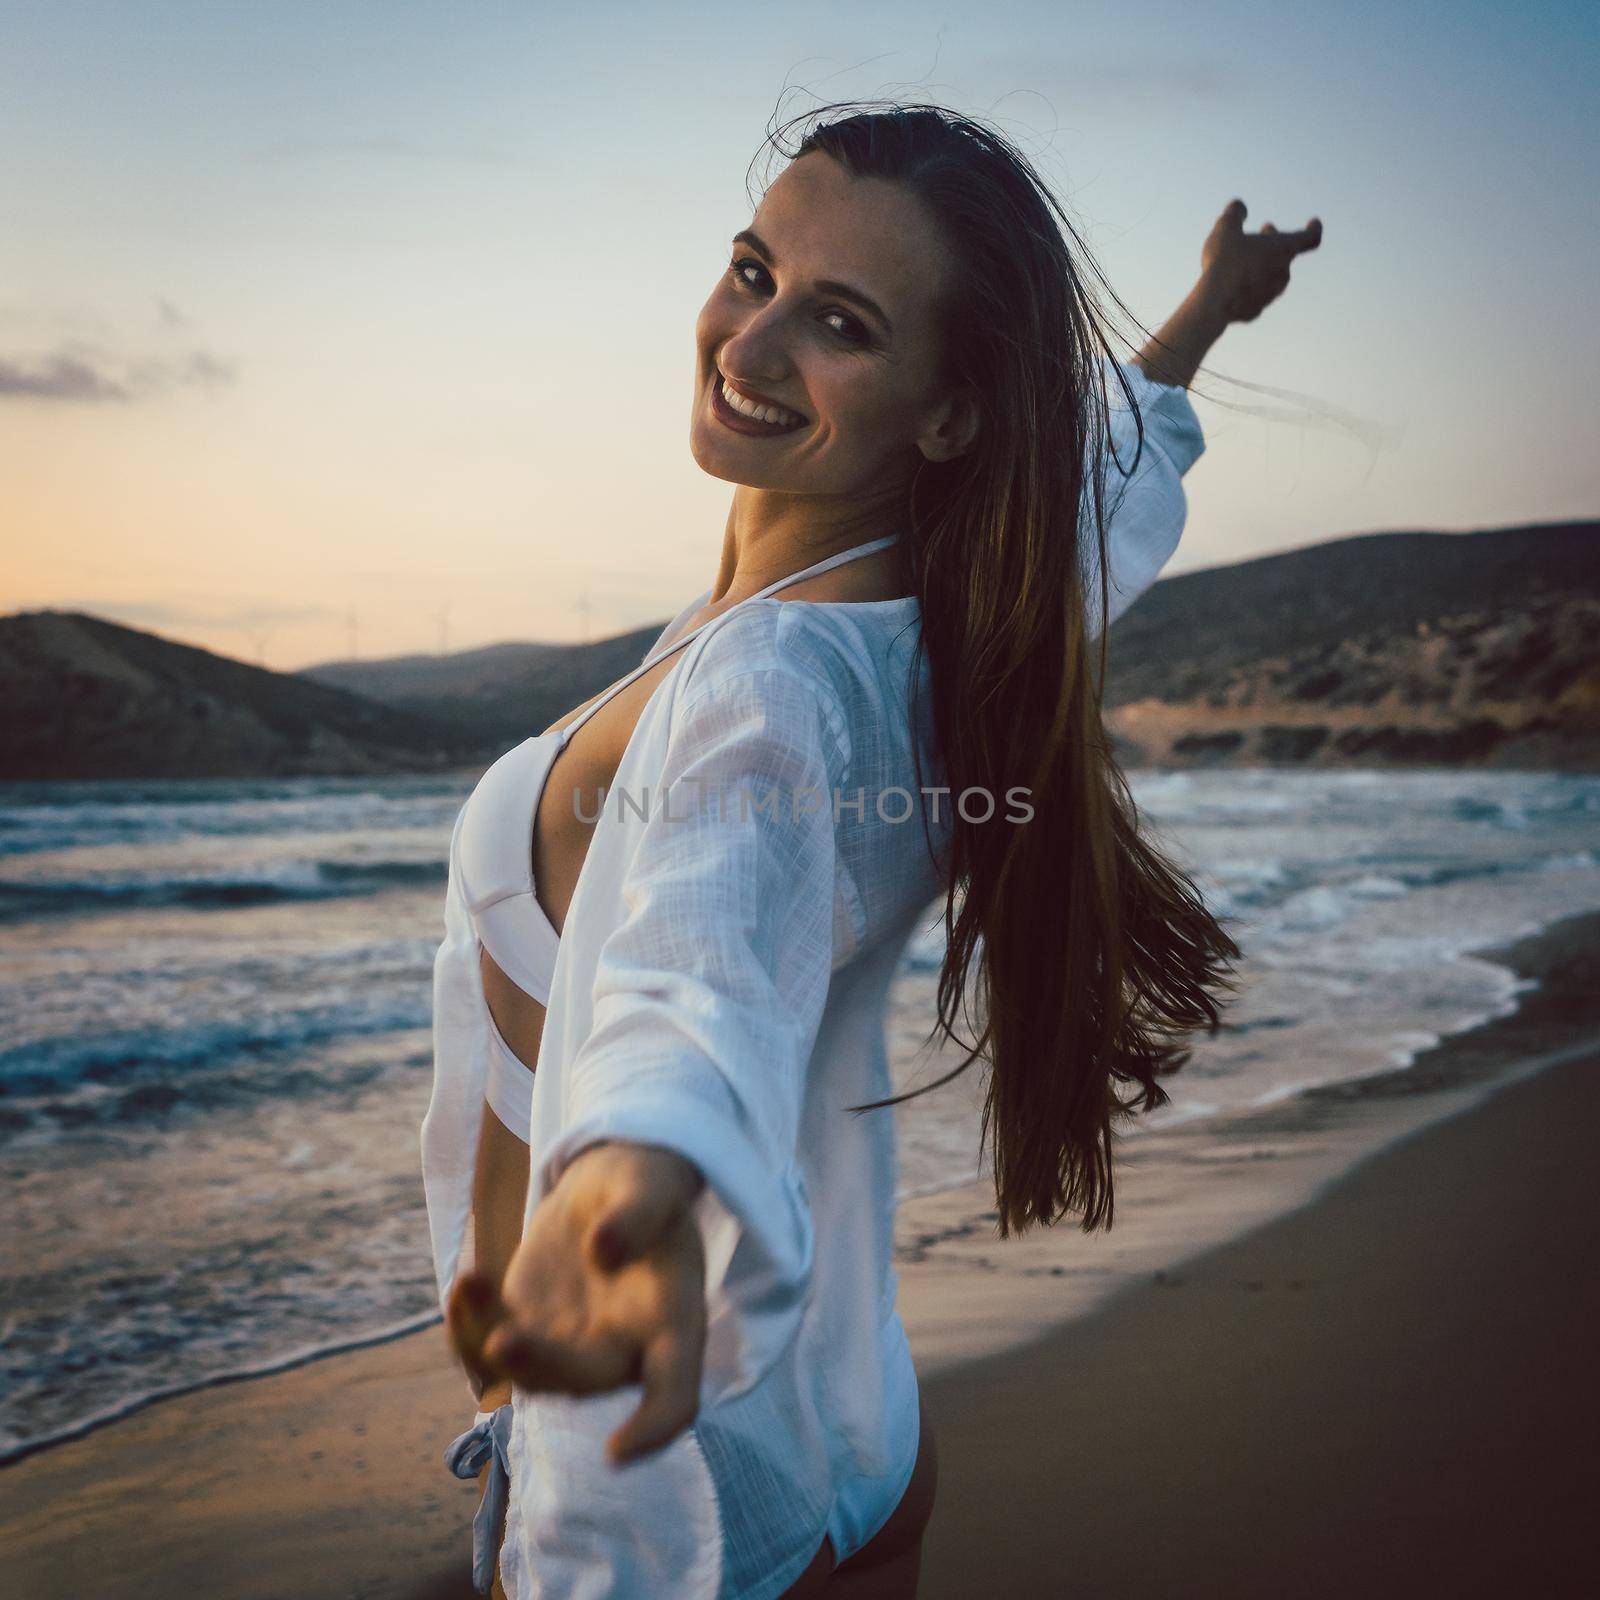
{"x":471,"y":1316}
{"x":671,"y":1375}
{"x":495,"y":1350}
{"x":592,"y":1365}
{"x":1308,"y":238}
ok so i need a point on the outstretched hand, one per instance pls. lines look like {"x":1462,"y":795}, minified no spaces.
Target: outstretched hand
{"x":1243,"y":273}
{"x":607,"y":1288}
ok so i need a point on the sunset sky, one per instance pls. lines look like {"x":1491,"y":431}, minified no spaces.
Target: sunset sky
{"x":331,"y":324}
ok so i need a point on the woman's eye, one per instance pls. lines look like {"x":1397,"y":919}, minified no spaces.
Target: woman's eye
{"x":852,"y":332}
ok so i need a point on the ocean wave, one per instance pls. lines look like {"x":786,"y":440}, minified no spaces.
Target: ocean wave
{"x":1497,"y":813}
{"x":43,"y":817}
{"x":25,"y":900}
{"x":143,"y":1075}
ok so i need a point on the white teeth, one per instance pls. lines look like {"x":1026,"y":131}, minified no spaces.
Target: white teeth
{"x":748,"y":408}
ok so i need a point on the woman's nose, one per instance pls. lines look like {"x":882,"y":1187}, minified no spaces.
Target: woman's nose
{"x":758,"y":352}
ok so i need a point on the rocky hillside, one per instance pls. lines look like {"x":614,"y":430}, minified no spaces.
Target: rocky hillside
{"x":1383,"y":649}
{"x":1378,"y":649}
{"x":84,"y":698}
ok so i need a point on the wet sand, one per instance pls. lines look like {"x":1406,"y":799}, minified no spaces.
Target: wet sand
{"x":1386,"y":1391}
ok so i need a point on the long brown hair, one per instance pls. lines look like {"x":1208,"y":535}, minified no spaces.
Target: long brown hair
{"x":1095,"y":955}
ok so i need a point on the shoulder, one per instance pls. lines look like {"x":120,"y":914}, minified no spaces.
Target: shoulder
{"x":768,"y":657}
{"x":767,"y":638}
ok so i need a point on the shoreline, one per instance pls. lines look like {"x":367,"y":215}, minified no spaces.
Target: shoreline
{"x":270,"y":1368}
{"x":1199,"y":1183}
{"x":965,"y":1195}
{"x":343,"y":1447}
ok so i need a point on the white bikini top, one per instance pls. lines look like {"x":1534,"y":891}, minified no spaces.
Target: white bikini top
{"x":494,"y":855}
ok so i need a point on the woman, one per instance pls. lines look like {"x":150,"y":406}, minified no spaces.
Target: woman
{"x":682,"y":1289}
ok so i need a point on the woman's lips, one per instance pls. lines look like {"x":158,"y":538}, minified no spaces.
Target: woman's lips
{"x":729,"y":418}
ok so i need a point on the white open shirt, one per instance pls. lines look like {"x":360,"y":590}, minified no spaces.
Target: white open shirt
{"x":720,"y":990}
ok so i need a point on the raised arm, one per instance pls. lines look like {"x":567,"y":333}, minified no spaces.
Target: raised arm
{"x":1240,"y":275}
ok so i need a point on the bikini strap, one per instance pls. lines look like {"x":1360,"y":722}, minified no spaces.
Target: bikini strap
{"x":837,"y":559}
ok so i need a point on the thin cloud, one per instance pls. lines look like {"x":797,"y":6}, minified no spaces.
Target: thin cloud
{"x":73,"y":373}
{"x":59,"y":377}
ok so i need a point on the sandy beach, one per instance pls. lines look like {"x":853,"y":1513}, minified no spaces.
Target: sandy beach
{"x":1391,"y":1392}
{"x":1337,"y":1343}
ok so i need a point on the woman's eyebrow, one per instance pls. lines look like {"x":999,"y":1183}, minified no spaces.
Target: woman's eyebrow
{"x":826,"y":285}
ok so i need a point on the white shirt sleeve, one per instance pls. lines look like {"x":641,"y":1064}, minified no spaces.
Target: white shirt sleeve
{"x":449,"y":1134}
{"x":709,"y":994}
{"x":1145,"y":506}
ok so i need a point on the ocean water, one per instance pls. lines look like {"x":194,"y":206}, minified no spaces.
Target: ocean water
{"x":215,"y":1048}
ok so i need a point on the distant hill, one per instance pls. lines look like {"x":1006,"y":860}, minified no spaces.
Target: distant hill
{"x":499,"y":695}
{"x":1478,"y":649}
{"x":1377,"y":649}
{"x":1381,"y":649}
{"x":81,"y":697}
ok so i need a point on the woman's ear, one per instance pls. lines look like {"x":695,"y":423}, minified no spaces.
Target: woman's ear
{"x":952,"y":427}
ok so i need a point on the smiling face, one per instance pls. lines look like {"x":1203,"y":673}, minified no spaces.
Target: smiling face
{"x":824,"y":328}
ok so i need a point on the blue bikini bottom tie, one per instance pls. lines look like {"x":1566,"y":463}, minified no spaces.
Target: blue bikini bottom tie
{"x":485,"y":1443}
